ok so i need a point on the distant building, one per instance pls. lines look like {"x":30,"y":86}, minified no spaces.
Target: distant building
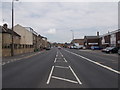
{"x":34,"y":37}
{"x":92,"y":40}
{"x":79,"y":41}
{"x":40,"y":42}
{"x":111,"y":39}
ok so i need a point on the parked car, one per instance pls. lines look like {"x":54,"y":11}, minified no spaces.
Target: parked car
{"x":59,"y":47}
{"x":71,"y":47}
{"x":48,"y":48}
{"x":110,"y":50}
{"x":95,"y":48}
{"x":119,"y":51}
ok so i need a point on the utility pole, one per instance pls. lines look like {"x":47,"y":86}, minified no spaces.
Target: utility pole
{"x":72,"y":34}
{"x":12,"y":44}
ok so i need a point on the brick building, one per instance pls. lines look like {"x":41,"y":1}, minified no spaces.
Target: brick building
{"x":111,"y":39}
{"x":91,"y":41}
{"x":79,"y":41}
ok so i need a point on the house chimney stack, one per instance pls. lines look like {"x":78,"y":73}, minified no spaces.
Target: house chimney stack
{"x":5,"y":26}
{"x":98,"y":34}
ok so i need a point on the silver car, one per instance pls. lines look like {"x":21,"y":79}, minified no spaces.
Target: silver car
{"x":119,"y":51}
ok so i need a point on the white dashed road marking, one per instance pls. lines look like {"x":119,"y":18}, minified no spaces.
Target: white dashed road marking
{"x":55,"y":60}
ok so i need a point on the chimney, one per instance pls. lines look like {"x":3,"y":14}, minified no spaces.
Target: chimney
{"x":5,"y":26}
{"x":98,"y":34}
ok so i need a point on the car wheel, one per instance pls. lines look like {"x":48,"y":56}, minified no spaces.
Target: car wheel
{"x":110,"y":52}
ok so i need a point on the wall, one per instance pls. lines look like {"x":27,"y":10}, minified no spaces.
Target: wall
{"x":0,"y":44}
{"x":7,"y":51}
{"x":26,"y":36}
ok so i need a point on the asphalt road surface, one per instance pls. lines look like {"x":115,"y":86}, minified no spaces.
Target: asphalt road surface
{"x":63,"y":68}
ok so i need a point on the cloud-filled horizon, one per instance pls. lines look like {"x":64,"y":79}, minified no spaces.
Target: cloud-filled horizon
{"x":55,"y":19}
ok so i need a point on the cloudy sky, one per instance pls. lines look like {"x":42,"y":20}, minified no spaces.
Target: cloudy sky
{"x":55,"y":19}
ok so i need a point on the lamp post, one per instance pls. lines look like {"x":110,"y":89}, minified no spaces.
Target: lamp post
{"x":72,"y":34}
{"x":12,"y":45}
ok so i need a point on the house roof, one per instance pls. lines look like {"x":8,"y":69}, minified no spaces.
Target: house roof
{"x":109,"y":33}
{"x":4,"y":30}
{"x":91,"y":37}
{"x":77,"y":41}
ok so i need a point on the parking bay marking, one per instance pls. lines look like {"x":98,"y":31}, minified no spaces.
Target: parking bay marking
{"x":55,"y":60}
{"x":108,"y":68}
{"x":64,"y":79}
{"x":48,"y":81}
{"x":50,"y":75}
{"x":62,"y":67}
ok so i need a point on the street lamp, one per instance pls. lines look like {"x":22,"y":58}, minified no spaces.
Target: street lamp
{"x":12,"y":45}
{"x":72,"y":34}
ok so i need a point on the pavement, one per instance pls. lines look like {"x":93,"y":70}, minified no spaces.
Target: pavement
{"x":62,"y":68}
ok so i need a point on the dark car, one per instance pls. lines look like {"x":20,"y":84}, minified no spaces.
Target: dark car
{"x":110,"y":50}
{"x":119,"y":51}
{"x":47,"y":48}
{"x":96,"y":48}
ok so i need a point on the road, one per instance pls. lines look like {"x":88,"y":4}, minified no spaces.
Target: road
{"x":63,"y":68}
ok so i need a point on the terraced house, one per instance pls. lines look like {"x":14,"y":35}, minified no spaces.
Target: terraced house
{"x":25,"y":40}
{"x":7,"y":41}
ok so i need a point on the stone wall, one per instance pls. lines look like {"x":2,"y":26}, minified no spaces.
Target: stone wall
{"x":7,"y":51}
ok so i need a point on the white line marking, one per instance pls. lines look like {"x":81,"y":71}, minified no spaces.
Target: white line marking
{"x":59,"y":58}
{"x":60,"y":61}
{"x":109,"y":68}
{"x":75,"y":75}
{"x":60,"y":53}
{"x":3,"y":63}
{"x":65,"y":59}
{"x":12,"y":60}
{"x":55,"y":60}
{"x":48,"y":81}
{"x":64,"y":79}
{"x":8,"y":62}
{"x":62,"y":67}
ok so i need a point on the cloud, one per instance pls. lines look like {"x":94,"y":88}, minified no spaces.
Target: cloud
{"x":51,"y":31}
{"x":58,"y":18}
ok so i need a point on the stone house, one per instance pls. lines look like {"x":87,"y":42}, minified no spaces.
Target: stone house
{"x":7,"y":40}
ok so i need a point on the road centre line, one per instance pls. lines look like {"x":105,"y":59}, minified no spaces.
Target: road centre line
{"x":106,"y":67}
{"x":62,"y":67}
{"x":3,"y":63}
{"x":48,"y":81}
{"x":75,"y":75}
{"x":55,"y":60}
{"x":65,"y":59}
{"x":64,"y":79}
{"x":60,"y":61}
